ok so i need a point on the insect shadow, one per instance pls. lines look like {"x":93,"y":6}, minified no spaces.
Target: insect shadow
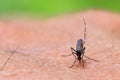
{"x":80,"y":50}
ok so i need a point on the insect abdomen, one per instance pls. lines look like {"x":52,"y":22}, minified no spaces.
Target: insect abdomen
{"x":79,"y":45}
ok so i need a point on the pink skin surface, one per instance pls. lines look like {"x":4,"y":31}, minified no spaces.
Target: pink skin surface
{"x":42,"y":42}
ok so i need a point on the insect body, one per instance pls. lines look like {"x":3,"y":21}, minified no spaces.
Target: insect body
{"x":80,"y":49}
{"x":79,"y":52}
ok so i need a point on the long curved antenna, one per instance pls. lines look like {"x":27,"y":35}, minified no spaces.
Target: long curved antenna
{"x":84,"y":30}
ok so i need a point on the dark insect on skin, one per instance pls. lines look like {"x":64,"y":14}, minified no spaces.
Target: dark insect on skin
{"x":80,"y":50}
{"x":12,"y":53}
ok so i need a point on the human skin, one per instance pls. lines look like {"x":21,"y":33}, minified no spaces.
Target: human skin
{"x":42,"y":42}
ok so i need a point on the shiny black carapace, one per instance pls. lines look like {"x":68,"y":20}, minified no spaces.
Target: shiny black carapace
{"x":80,"y":50}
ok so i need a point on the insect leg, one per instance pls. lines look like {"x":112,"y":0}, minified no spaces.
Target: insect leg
{"x":67,"y":55}
{"x":82,"y":55}
{"x":72,"y":49}
{"x":83,"y":51}
{"x":91,"y":58}
{"x":12,"y":52}
{"x":82,"y":62}
{"x":73,"y":53}
{"x":84,"y":29}
{"x":73,"y":63}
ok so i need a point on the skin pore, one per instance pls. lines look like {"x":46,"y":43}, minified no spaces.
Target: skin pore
{"x":41,"y":44}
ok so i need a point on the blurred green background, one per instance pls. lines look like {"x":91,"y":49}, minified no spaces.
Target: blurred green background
{"x":55,"y":7}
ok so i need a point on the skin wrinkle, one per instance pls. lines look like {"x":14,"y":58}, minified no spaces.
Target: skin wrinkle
{"x":39,"y":55}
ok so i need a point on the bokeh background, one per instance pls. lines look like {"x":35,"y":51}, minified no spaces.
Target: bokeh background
{"x":54,"y":7}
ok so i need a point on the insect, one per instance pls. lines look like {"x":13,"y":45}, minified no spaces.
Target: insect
{"x":80,"y":50}
{"x":12,"y":52}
